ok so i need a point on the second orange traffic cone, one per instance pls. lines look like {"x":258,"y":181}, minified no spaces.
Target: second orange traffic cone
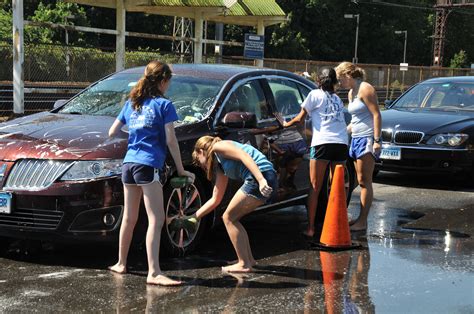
{"x":336,"y":234}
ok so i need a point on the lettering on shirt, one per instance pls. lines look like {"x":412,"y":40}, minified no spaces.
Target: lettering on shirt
{"x":142,"y":119}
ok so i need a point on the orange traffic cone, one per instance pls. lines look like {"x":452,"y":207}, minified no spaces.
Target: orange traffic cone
{"x":334,"y":266}
{"x":336,"y":234}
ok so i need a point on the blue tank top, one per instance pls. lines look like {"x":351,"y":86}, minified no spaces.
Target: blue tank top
{"x":236,"y":170}
{"x":362,"y":119}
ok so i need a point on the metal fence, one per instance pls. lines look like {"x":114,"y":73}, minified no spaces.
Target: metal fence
{"x":54,"y":72}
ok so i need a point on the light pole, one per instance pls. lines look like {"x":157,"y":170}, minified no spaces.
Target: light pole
{"x":351,"y":16}
{"x":68,"y":68}
{"x":405,"y":45}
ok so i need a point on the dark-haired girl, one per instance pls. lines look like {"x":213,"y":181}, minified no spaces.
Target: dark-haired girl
{"x":149,"y":116}
{"x":329,"y":139}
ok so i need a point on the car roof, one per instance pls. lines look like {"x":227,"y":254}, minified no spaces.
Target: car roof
{"x":450,"y":79}
{"x":213,"y":71}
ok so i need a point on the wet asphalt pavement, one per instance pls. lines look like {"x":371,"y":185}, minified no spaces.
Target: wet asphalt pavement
{"x":417,"y":256}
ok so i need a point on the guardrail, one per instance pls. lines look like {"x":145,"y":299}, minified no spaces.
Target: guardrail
{"x":38,"y":97}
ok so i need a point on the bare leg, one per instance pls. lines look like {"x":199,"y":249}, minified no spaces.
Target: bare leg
{"x":317,"y":169}
{"x":153,"y":197}
{"x":132,"y":196}
{"x":239,"y":206}
{"x":365,"y":168}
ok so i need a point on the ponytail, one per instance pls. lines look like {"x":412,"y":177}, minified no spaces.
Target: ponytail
{"x":149,"y":84}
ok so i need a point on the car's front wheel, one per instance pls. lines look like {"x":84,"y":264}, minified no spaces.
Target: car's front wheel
{"x":178,"y":238}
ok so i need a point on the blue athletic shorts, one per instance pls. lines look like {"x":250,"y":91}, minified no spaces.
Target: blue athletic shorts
{"x":251,"y":187}
{"x":138,"y":174}
{"x":361,"y":146}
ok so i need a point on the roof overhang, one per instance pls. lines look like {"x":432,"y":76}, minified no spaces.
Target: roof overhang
{"x":236,"y":12}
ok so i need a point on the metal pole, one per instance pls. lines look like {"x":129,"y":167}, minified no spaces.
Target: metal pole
{"x":357,"y":39}
{"x":18,"y":57}
{"x":261,"y":32}
{"x":120,"y":39}
{"x":198,"y":20}
{"x":405,"y":48}
{"x":67,"y":49}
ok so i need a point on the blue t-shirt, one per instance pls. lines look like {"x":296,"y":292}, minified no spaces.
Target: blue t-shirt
{"x":236,"y":170}
{"x":147,"y":136}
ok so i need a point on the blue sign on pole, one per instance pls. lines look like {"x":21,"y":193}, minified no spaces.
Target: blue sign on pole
{"x":254,"y":46}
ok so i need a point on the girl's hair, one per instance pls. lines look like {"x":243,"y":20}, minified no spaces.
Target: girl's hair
{"x":206,"y":143}
{"x":148,"y":85}
{"x":348,"y":68}
{"x":327,"y":79}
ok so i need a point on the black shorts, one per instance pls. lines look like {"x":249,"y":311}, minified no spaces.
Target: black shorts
{"x":138,"y":174}
{"x":330,"y":152}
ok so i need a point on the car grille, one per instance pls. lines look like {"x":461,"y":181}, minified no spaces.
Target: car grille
{"x":408,"y":137}
{"x":35,"y":174}
{"x":32,"y":219}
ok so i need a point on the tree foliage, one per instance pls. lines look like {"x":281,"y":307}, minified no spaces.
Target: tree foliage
{"x":315,"y":29}
{"x":459,"y":60}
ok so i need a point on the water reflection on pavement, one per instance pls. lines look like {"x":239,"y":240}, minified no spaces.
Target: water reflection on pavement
{"x":397,"y":269}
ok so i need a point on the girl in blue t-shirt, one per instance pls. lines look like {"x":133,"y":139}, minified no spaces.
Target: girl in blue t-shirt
{"x":228,"y":159}
{"x":149,"y":117}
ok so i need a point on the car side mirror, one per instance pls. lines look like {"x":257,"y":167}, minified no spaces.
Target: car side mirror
{"x":241,"y":120}
{"x":58,"y":103}
{"x":387,"y":103}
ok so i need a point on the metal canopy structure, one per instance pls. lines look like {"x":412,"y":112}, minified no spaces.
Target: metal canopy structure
{"x":256,"y":13}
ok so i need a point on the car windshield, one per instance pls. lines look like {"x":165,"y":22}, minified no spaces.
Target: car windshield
{"x":192,"y":96}
{"x":457,"y":96}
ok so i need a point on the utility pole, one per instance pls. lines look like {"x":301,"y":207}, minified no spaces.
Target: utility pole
{"x":443,"y":8}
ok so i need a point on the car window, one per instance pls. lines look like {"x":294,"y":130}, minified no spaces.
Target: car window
{"x":192,"y":97}
{"x":287,"y":96}
{"x":438,"y":96}
{"x":248,"y":97}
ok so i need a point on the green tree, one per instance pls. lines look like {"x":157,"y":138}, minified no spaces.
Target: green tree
{"x":459,"y":60}
{"x":61,"y":13}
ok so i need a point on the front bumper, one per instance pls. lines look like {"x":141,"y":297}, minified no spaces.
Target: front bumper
{"x":66,"y":212}
{"x":429,"y":160}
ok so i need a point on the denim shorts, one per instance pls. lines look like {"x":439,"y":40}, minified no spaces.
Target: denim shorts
{"x":251,"y":187}
{"x":138,"y":174}
{"x":329,"y":152}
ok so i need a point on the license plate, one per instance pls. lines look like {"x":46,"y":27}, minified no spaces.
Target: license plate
{"x":393,"y":153}
{"x":5,"y":203}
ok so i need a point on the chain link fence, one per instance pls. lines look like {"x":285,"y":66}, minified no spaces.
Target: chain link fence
{"x":54,"y":72}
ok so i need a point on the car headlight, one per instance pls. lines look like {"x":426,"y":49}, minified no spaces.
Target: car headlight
{"x":93,"y":169}
{"x":448,"y":139}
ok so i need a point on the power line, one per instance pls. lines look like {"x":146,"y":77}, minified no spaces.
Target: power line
{"x":407,"y":6}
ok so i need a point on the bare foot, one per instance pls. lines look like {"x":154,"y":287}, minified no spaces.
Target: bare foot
{"x":162,"y":280}
{"x":118,"y":268}
{"x":253,"y":262}
{"x":237,"y":268}
{"x":358,"y":226}
{"x":308,"y":233}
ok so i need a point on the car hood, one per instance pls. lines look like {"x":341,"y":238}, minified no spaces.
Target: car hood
{"x":428,"y":122}
{"x":59,"y":136}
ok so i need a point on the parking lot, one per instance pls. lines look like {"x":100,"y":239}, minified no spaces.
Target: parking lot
{"x":415,"y":257}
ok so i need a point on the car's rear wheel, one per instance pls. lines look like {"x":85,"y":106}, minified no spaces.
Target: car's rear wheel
{"x":178,"y":239}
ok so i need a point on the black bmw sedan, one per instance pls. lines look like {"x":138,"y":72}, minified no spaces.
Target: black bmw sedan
{"x":60,"y":172}
{"x":430,"y":128}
